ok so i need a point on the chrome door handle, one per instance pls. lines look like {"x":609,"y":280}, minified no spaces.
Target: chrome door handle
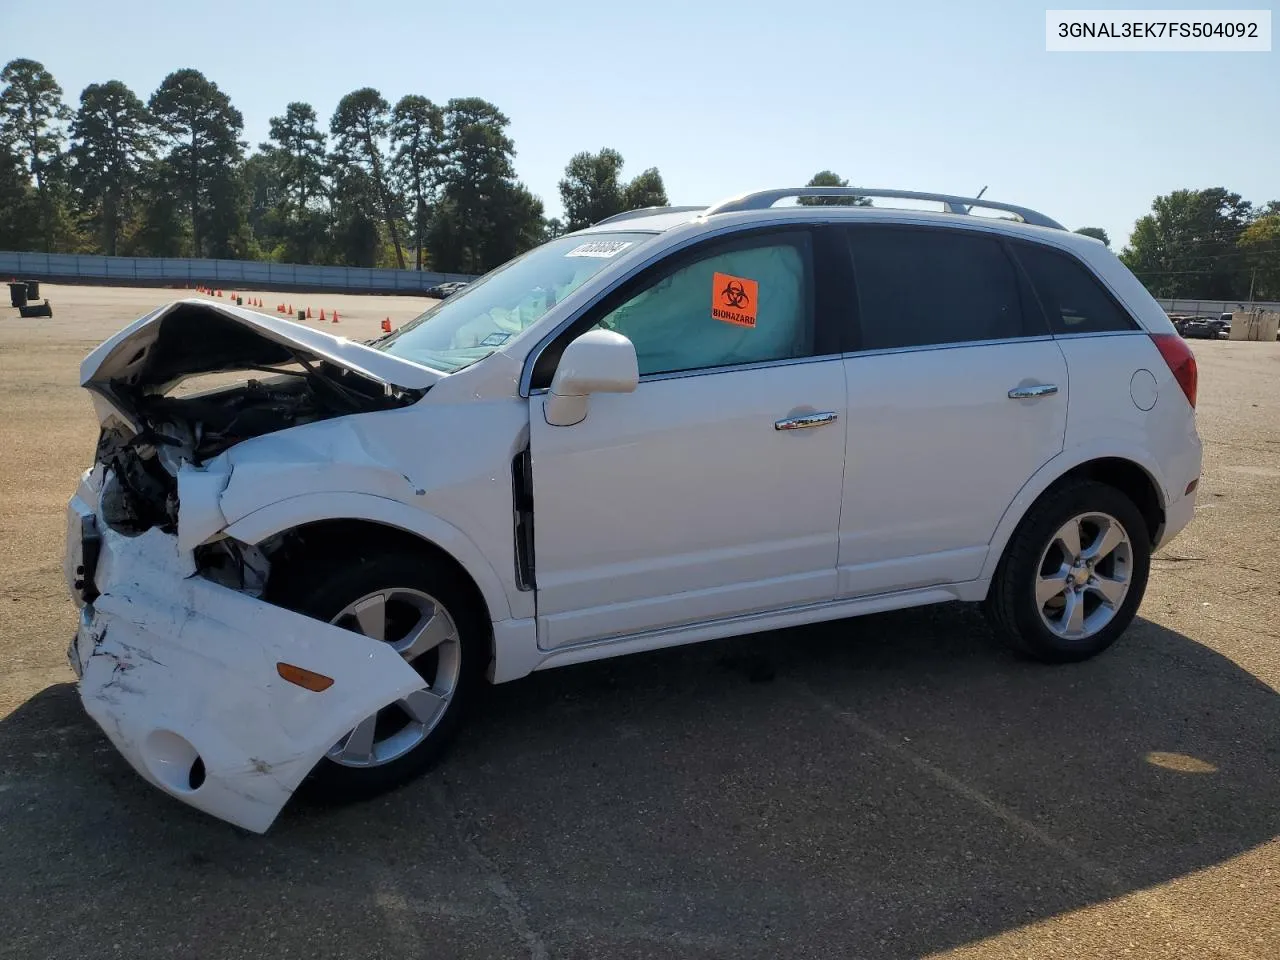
{"x":1029,"y":393}
{"x":805,"y":422}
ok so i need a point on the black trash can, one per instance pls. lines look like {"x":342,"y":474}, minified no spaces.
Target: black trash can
{"x":18,"y":294}
{"x":33,"y":289}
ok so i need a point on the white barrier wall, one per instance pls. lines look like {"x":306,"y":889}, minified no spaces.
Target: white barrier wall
{"x":1212,"y":308}
{"x":249,"y":274}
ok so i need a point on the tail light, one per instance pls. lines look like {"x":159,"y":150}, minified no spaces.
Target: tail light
{"x":1181,"y":361}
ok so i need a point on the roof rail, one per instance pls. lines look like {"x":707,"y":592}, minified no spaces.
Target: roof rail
{"x":648,"y":212}
{"x":764,"y":199}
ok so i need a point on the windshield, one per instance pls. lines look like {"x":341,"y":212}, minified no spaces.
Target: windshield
{"x":475,"y":322}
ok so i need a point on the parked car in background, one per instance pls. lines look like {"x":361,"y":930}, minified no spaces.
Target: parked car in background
{"x":670,"y":427}
{"x":1206,"y":328}
{"x":446,"y":289}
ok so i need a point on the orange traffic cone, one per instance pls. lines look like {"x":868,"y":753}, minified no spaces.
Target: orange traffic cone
{"x":335,"y":316}
{"x":308,"y":313}
{"x":386,"y":325}
{"x":290,"y":310}
{"x":322,"y":313}
{"x":219,"y":293}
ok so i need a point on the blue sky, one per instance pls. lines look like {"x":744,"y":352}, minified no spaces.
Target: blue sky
{"x":728,"y":96}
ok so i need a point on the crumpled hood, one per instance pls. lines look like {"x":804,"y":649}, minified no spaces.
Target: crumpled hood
{"x":190,"y":337}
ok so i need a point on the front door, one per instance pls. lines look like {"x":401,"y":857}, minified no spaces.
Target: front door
{"x":714,"y":489}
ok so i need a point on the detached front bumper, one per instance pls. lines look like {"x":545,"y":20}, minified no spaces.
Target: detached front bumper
{"x":181,"y":674}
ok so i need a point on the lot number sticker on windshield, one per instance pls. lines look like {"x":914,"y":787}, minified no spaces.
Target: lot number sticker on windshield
{"x":599,"y":248}
{"x":734,"y":299}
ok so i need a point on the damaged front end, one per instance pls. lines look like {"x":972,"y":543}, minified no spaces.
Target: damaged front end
{"x":187,"y":679}
{"x":180,"y":661}
{"x":269,"y":375}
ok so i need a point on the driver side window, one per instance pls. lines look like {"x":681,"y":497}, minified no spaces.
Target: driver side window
{"x":735,"y":305}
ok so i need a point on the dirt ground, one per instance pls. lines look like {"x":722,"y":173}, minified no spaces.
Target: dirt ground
{"x":891,"y":786}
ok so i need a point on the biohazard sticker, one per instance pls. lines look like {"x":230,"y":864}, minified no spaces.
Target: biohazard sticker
{"x":734,"y":300}
{"x":599,"y":248}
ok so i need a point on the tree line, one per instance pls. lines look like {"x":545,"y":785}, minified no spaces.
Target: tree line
{"x":414,"y":184}
{"x":1207,"y":244}
{"x":1210,"y":244}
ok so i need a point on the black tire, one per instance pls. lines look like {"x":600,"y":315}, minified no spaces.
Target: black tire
{"x":1011,"y":602}
{"x":323,"y":586}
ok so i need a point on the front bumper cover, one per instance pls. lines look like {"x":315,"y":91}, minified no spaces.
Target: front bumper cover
{"x":181,"y":675}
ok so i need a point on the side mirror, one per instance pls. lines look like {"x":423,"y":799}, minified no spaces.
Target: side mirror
{"x":599,"y":361}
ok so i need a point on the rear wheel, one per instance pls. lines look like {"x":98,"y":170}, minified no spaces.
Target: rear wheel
{"x":423,"y":611}
{"x":1073,"y":574}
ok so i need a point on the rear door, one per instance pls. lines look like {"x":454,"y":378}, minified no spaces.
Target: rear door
{"x":957,"y":395}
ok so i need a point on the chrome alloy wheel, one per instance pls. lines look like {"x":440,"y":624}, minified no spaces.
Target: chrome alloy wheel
{"x":1084,"y":575}
{"x":419,"y":628}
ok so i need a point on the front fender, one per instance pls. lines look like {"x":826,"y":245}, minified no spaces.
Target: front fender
{"x":266,"y":521}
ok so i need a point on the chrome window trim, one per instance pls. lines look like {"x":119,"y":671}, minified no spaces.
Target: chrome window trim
{"x":959,"y":344}
{"x":955,"y":345}
{"x":1102,"y":333}
{"x":855,"y":354}
{"x":730,"y":368}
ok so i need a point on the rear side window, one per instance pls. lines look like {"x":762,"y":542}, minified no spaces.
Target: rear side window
{"x":1072,"y":298}
{"x":922,"y":287}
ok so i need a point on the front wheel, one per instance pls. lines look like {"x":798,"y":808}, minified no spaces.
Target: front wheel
{"x":1073,"y":574}
{"x":423,"y":611}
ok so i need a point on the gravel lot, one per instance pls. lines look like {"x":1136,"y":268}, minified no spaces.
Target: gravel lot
{"x":891,"y":786}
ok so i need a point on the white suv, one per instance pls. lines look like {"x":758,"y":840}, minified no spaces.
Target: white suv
{"x":673,"y":426}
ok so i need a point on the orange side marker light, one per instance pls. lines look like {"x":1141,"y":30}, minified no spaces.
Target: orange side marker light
{"x":306,"y":679}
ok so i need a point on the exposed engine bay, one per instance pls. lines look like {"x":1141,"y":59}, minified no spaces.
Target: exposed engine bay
{"x":191,"y":429}
{"x":151,"y":428}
